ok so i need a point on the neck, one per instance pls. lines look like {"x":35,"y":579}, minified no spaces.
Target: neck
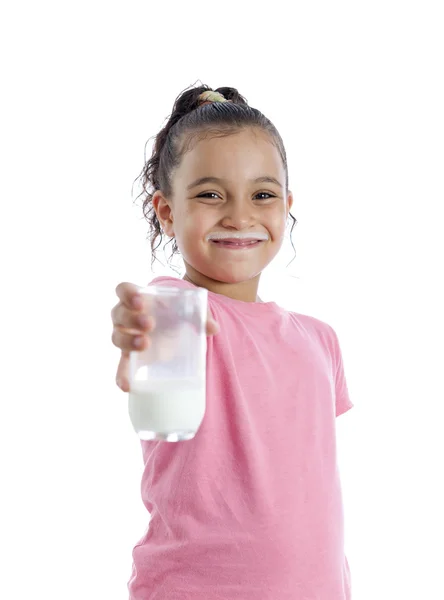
{"x":246,"y":291}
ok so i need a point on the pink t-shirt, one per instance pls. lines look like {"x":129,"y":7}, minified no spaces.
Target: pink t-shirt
{"x":251,"y":507}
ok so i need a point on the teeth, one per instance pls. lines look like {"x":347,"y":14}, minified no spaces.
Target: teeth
{"x":236,"y":243}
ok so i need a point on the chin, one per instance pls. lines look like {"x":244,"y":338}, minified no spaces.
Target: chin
{"x":231,"y":274}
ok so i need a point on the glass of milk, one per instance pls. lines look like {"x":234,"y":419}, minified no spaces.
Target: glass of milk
{"x":168,"y":379}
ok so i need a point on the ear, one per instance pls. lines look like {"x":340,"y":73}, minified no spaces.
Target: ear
{"x":164,"y":213}
{"x":289,"y":201}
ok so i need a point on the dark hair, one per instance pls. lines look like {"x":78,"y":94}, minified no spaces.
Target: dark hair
{"x":187,"y":122}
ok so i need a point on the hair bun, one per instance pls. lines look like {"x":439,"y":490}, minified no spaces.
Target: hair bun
{"x":232,"y":94}
{"x":189,"y":100}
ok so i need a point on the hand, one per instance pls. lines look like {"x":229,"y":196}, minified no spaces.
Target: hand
{"x":132,"y":326}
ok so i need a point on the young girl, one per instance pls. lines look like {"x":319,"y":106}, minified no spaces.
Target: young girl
{"x":251,"y":507}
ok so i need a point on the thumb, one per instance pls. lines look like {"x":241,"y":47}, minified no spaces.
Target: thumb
{"x":212,"y":326}
{"x":122,"y":376}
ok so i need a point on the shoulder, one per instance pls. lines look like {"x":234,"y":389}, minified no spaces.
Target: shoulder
{"x":319,"y":330}
{"x":169,"y":281}
{"x":313,"y":322}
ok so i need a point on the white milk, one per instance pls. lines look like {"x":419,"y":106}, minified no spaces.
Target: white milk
{"x":167,"y":407}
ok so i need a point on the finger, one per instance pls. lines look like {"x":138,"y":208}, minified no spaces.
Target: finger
{"x":122,"y":376}
{"x":128,"y":294}
{"x":133,"y":321}
{"x":128,"y":342}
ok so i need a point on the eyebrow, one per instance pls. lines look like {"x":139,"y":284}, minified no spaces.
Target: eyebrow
{"x":202,"y":180}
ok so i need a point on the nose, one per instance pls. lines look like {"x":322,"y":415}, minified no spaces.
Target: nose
{"x":240,"y":215}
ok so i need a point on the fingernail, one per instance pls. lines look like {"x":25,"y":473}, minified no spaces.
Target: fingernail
{"x":138,"y":342}
{"x":143,"y":322}
{"x":137,"y":302}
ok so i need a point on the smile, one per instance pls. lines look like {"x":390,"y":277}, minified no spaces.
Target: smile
{"x":237,"y":244}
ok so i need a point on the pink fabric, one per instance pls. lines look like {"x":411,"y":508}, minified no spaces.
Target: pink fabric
{"x":251,"y":508}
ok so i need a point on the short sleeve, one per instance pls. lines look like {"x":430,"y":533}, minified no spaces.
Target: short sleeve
{"x":343,"y":402}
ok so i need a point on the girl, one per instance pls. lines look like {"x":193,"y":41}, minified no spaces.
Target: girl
{"x":251,"y":507}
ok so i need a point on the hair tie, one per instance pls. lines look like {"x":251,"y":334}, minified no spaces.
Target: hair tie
{"x":210,"y":96}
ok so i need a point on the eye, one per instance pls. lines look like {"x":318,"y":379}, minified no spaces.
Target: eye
{"x":206,"y":194}
{"x":265,"y":194}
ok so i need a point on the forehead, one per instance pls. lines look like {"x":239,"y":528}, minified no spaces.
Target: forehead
{"x":245,"y":154}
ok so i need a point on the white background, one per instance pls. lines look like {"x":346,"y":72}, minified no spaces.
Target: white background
{"x":356,"y":90}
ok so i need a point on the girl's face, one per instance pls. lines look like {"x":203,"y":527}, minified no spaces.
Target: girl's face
{"x":235,"y":200}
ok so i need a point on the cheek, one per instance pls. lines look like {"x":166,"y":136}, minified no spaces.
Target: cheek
{"x":199,"y":220}
{"x":277,"y":225}
{"x":196,"y":222}
{"x":192,"y":225}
